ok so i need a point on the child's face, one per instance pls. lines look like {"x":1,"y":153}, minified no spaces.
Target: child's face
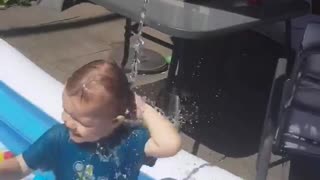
{"x":87,"y":121}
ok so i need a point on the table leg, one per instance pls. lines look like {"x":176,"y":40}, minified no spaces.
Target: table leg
{"x":127,"y":36}
{"x":182,"y":65}
{"x":194,"y":63}
{"x":168,"y":99}
{"x":183,"y":62}
{"x":174,"y":65}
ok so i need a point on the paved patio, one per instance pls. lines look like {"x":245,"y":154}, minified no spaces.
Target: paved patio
{"x":61,"y":42}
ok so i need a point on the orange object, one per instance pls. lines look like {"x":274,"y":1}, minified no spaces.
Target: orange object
{"x":6,"y":155}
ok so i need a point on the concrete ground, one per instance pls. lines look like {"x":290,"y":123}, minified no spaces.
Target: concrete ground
{"x":61,"y":42}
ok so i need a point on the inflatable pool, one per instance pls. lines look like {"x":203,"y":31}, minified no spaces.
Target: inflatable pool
{"x":30,"y":103}
{"x":21,"y":123}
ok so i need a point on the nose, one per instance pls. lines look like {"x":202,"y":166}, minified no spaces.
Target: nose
{"x":68,"y":121}
{"x":70,"y":125}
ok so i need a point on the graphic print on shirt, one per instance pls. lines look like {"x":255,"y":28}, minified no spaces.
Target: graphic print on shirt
{"x":82,"y":171}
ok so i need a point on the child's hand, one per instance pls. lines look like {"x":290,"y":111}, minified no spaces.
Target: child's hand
{"x":134,"y":117}
{"x":164,"y":139}
{"x":140,"y":106}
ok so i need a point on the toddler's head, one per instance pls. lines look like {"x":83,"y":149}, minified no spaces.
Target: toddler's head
{"x":93,"y":97}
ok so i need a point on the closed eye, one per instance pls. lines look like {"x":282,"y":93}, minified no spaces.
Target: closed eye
{"x":77,"y":119}
{"x":81,"y":122}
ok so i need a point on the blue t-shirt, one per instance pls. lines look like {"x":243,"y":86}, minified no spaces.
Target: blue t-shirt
{"x":120,"y":157}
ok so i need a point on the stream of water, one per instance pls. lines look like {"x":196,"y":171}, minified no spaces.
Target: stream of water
{"x":138,"y":43}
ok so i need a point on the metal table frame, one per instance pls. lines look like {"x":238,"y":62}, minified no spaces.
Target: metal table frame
{"x":216,"y":18}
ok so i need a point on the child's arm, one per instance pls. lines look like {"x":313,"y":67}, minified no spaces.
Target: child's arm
{"x":14,"y":169}
{"x":42,"y":154}
{"x":165,"y":140}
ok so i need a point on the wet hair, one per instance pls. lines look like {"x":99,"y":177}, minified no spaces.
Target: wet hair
{"x":105,"y":74}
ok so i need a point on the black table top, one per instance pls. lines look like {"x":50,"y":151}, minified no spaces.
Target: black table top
{"x":208,"y":18}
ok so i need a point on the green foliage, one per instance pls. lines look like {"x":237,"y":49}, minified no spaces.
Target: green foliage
{"x":6,"y":3}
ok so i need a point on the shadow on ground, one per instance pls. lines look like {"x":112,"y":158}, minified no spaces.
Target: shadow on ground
{"x":225,"y":111}
{"x":58,"y":26}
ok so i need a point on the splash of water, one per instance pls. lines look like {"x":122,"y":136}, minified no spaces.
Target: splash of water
{"x":101,"y":152}
{"x":138,"y":43}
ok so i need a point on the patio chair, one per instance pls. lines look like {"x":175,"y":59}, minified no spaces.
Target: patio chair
{"x":292,"y":122}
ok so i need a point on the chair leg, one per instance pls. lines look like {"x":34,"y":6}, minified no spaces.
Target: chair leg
{"x":265,"y":151}
{"x":127,"y":36}
{"x":269,"y":126}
